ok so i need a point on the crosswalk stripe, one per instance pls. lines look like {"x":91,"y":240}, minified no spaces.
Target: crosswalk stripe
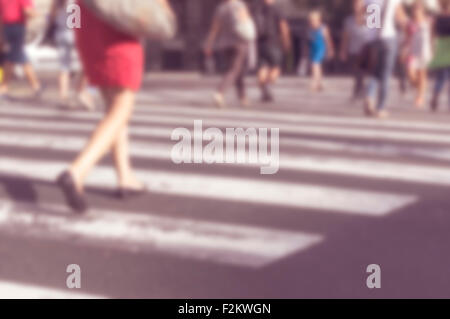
{"x":222,"y":243}
{"x":245,"y":190}
{"x":154,"y":121}
{"x":14,"y":290}
{"x":195,"y":112}
{"x":320,"y":164}
{"x":292,"y":117}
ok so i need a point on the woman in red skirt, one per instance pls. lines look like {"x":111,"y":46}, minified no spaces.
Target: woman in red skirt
{"x":113,"y":61}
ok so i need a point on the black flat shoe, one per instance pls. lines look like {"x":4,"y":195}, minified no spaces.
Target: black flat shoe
{"x":74,"y":199}
{"x":126,"y":193}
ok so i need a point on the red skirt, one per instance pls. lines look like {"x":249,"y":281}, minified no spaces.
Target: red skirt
{"x":111,"y":59}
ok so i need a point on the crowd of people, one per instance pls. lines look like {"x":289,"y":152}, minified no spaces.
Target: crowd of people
{"x":113,"y":62}
{"x":409,"y":37}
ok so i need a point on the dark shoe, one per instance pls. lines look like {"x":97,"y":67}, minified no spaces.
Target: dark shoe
{"x":74,"y":199}
{"x":125,"y":193}
{"x":267,"y":97}
{"x":434,"y":105}
{"x":38,"y":93}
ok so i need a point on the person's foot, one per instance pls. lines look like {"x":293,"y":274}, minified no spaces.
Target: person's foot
{"x":369,"y":107}
{"x":64,"y":103}
{"x":419,"y":103}
{"x":131,"y":188}
{"x":73,"y":196}
{"x":219,"y":100}
{"x":244,"y":102}
{"x":86,"y":101}
{"x":317,"y":88}
{"x":38,"y":92}
{"x":382,"y":114}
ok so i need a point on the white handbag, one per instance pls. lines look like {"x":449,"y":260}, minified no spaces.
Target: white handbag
{"x":141,"y":18}
{"x":246,"y":30}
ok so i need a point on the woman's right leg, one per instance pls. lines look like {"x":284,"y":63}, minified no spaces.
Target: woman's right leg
{"x":121,"y":154}
{"x":422,"y":87}
{"x":316,"y":77}
{"x":106,"y":135}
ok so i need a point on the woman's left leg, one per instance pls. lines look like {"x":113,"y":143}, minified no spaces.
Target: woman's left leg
{"x":422,"y":82}
{"x":106,"y":135}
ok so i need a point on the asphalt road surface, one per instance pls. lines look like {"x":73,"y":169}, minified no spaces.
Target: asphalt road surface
{"x":350,"y":192}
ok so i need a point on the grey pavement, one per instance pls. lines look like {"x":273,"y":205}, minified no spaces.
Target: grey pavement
{"x":351,"y":192}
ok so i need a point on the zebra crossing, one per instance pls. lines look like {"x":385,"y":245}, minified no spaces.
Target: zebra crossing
{"x":37,"y":143}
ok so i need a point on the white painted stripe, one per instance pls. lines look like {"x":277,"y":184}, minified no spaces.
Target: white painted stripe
{"x":230,"y":244}
{"x":14,"y":290}
{"x":321,"y":164}
{"x":155,"y":120}
{"x":296,"y":118}
{"x":231,"y":115}
{"x":282,"y":194}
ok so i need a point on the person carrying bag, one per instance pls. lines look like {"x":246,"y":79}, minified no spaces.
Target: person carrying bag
{"x":141,"y":18}
{"x":234,"y":24}
{"x":113,"y":60}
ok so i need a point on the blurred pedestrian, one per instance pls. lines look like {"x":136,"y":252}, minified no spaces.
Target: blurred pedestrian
{"x":64,"y":39}
{"x":231,"y":27}
{"x":274,"y":36}
{"x":441,"y":61}
{"x":419,"y":50}
{"x":383,"y":55}
{"x":355,"y":36}
{"x":320,"y":47}
{"x":113,"y":61}
{"x":14,"y":15}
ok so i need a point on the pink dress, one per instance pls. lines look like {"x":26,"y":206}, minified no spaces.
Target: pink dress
{"x":111,"y":58}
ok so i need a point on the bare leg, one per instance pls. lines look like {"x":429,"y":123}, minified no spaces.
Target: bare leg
{"x":422,"y":88}
{"x":64,"y":83}
{"x":263,"y":75}
{"x":31,"y":76}
{"x":106,"y":134}
{"x":84,"y":97}
{"x":316,"y":84}
{"x":8,"y":72}
{"x":274,"y":75}
{"x":121,"y":154}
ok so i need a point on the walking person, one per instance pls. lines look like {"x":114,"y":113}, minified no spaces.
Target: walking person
{"x":113,"y":61}
{"x":419,"y":51}
{"x":228,"y":18}
{"x":14,"y":15}
{"x":274,"y":36}
{"x":441,"y":61}
{"x":383,"y":52}
{"x":355,"y":36}
{"x":320,"y":47}
{"x":64,"y":39}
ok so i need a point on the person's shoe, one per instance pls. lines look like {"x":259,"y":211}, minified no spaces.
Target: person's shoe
{"x":219,"y":100}
{"x":73,"y":198}
{"x":37,"y":95}
{"x":434,"y":105}
{"x":267,"y":97}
